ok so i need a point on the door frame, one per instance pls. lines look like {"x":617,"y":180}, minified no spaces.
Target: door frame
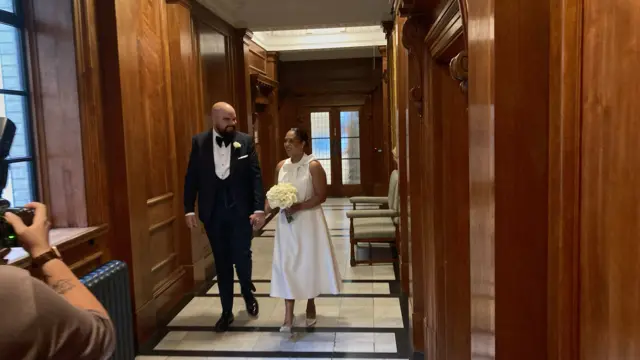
{"x":336,"y":188}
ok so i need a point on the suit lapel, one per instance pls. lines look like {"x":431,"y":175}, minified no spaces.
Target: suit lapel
{"x":208,"y":158}
{"x":234,"y":156}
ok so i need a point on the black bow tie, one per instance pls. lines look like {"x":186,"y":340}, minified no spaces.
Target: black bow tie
{"x":220,"y":140}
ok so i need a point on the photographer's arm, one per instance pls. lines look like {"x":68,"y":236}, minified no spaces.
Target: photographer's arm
{"x":35,"y":240}
{"x":73,"y":322}
{"x":73,"y":326}
{"x":62,"y":280}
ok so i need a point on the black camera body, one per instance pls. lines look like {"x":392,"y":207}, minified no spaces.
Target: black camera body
{"x":8,"y":236}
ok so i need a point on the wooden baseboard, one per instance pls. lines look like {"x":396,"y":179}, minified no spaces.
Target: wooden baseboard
{"x":145,"y":322}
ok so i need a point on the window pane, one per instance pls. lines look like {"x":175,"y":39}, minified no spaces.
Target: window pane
{"x":320,"y":124}
{"x":349,"y":123}
{"x":326,"y":165}
{"x":14,"y":108}
{"x":350,"y":148}
{"x":19,"y":189}
{"x":321,"y":148}
{"x":8,"y":5}
{"x":351,"y":171}
{"x":10,"y":58}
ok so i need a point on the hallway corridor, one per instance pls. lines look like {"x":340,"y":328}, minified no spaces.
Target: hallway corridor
{"x":367,"y":321}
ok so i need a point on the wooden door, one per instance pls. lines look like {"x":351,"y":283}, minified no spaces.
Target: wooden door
{"x":335,"y":142}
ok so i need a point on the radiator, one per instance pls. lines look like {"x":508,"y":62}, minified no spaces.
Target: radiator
{"x":110,"y":284}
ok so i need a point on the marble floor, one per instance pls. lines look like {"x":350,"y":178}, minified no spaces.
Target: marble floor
{"x":367,"y":321}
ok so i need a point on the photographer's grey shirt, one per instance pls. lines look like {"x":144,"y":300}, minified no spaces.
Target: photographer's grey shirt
{"x":37,"y":323}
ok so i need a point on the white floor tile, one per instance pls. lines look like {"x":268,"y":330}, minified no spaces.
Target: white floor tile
{"x":368,"y":310}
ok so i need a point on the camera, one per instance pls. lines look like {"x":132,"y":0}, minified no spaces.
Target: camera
{"x":8,"y":236}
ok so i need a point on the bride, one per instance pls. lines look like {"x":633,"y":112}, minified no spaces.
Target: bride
{"x":304,"y":263}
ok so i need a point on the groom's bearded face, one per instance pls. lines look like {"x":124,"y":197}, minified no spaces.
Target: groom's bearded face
{"x":225,"y":122}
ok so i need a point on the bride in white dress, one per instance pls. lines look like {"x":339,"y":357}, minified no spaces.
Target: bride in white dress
{"x":304,"y":262}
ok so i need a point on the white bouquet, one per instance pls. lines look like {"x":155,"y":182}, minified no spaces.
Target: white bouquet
{"x":283,"y":196}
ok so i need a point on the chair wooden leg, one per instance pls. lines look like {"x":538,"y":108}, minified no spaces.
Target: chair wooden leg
{"x":352,"y":241}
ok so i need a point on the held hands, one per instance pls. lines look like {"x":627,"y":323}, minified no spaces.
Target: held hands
{"x":257,"y":219}
{"x":34,"y":238}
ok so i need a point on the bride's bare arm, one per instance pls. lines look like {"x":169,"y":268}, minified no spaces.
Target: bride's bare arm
{"x":267,"y":208}
{"x":319,"y":178}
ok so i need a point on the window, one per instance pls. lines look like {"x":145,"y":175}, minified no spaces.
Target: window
{"x":321,"y":140}
{"x":14,"y":104}
{"x":350,"y":147}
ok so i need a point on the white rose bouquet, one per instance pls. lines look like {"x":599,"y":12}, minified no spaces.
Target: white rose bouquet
{"x":283,"y":196}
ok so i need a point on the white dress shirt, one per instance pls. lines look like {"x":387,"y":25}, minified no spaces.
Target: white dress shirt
{"x":222,"y":162}
{"x":221,"y":157}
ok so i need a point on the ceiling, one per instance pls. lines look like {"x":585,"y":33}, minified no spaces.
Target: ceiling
{"x":326,"y":54}
{"x":261,"y":15}
{"x":323,"y":38}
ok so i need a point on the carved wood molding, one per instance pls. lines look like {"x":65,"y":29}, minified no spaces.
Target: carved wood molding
{"x":263,"y":82}
{"x":272,"y":56}
{"x":185,"y":3}
{"x":261,"y":88}
{"x":413,"y":34}
{"x":407,"y":7}
{"x":447,"y":28}
{"x":462,"y":4}
{"x":387,"y":27}
{"x":245,"y":34}
{"x":459,"y":69}
{"x":382,"y":50}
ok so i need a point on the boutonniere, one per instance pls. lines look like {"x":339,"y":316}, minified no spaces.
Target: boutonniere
{"x":237,"y":145}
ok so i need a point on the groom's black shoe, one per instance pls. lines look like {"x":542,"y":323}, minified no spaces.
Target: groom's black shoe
{"x":225,"y":321}
{"x":252,"y":307}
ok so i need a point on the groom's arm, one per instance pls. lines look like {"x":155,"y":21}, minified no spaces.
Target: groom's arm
{"x":258,"y":189}
{"x":191,"y":180}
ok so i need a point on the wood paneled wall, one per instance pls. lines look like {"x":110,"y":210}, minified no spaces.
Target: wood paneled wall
{"x":529,"y":189}
{"x":433,"y":147}
{"x":54,"y":75}
{"x":610,"y":196}
{"x":217,"y":63}
{"x":142,"y":75}
{"x":142,"y":153}
{"x":66,"y":108}
{"x":187,"y":84}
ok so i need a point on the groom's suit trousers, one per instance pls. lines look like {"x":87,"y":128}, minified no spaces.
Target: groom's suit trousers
{"x":230,"y":238}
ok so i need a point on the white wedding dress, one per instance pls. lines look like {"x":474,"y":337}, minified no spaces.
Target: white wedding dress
{"x":304,"y":262}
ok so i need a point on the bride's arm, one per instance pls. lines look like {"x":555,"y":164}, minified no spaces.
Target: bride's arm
{"x":319,"y":179}
{"x":267,"y":208}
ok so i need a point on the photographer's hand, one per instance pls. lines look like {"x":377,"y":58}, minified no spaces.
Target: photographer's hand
{"x":73,"y":323}
{"x":35,"y":240}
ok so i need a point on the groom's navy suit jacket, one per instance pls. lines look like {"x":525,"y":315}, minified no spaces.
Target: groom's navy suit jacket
{"x":245,"y":179}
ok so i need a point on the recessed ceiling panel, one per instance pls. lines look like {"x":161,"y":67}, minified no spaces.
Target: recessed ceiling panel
{"x":260,"y":15}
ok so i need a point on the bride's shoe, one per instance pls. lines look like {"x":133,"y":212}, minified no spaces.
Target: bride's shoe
{"x":311,"y":318}
{"x":311,"y":321}
{"x":287,"y":328}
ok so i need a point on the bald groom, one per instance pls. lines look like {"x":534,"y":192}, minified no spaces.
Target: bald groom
{"x":224,"y":174}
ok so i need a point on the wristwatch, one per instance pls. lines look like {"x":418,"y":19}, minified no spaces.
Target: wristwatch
{"x":44,"y":258}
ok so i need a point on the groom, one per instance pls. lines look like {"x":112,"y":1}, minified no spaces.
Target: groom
{"x":224,"y":174}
